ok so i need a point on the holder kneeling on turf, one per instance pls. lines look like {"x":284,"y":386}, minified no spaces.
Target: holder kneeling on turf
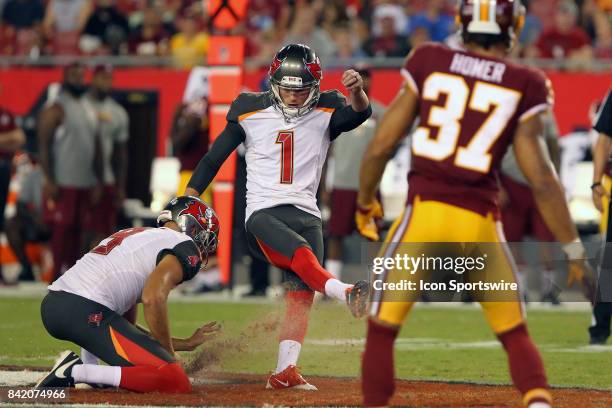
{"x":85,"y":306}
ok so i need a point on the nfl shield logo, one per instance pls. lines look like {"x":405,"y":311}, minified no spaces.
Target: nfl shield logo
{"x":193,"y":260}
{"x":95,"y":319}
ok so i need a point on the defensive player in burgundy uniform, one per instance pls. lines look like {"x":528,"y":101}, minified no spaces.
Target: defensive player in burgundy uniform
{"x":86,"y":304}
{"x":472,"y":105}
{"x":287,"y":132}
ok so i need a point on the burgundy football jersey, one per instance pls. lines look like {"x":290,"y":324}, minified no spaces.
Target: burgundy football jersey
{"x":469,"y":108}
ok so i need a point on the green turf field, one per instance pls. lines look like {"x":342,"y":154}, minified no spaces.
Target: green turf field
{"x":437,"y":343}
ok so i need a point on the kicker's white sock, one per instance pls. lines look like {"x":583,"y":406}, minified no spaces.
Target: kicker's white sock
{"x":334,"y":266}
{"x":336,"y":289}
{"x":87,"y":357}
{"x":97,"y":374}
{"x":288,"y":354}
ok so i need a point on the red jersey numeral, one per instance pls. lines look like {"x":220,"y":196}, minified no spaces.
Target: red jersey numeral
{"x":115,"y":240}
{"x":285,"y":139}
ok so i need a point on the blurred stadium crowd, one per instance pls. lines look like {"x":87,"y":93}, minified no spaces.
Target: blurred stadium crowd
{"x":339,"y":30}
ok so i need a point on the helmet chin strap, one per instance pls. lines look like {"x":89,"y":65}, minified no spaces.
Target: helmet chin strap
{"x":291,"y":113}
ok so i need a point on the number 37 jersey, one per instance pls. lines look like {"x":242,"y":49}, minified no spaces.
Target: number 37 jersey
{"x":469,"y":108}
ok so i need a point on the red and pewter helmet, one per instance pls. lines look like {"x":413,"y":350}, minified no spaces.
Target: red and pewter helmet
{"x":295,"y":66}
{"x":486,"y":22}
{"x":195,"y":219}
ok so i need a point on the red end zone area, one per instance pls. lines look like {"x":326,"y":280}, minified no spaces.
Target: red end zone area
{"x":224,"y":389}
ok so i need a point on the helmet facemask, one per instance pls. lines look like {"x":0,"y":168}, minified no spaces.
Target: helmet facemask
{"x":289,"y":112}
{"x":204,"y":238}
{"x":295,"y":67}
{"x":195,"y":219}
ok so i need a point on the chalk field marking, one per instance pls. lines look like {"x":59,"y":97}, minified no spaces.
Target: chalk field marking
{"x":422,"y":343}
{"x":426,"y":343}
{"x":19,"y":378}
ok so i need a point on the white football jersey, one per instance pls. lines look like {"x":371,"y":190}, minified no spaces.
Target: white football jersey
{"x":115,"y":272}
{"x":284,"y":160}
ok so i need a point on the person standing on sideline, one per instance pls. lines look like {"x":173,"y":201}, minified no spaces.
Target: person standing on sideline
{"x":113,"y":132}
{"x":602,"y":312}
{"x":70,"y":157}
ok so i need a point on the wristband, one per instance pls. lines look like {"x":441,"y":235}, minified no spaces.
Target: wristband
{"x":596,"y":184}
{"x":574,"y":250}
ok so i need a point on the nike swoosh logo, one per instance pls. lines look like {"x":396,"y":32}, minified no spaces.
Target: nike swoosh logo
{"x":286,"y":384}
{"x":61,"y":370}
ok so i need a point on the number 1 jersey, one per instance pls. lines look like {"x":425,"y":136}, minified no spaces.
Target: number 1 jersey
{"x":469,"y":107}
{"x":285,"y":159}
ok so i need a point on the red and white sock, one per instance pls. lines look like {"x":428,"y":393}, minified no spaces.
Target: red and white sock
{"x":294,"y":327}
{"x":336,"y":289}
{"x":97,"y":374}
{"x":288,"y":354}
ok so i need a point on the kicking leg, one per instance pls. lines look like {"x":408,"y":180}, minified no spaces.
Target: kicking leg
{"x":286,"y":249}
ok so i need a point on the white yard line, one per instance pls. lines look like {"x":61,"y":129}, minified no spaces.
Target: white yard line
{"x":4,"y":358}
{"x":427,"y":343}
{"x":19,"y":378}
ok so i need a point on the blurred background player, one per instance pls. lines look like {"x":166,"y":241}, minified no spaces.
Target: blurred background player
{"x":12,"y":139}
{"x":259,"y":269}
{"x":27,"y":225}
{"x":453,"y":190}
{"x":345,"y":181}
{"x":113,"y":133}
{"x":602,"y":312}
{"x":134,"y":265}
{"x":521,"y":217}
{"x":287,"y":132}
{"x":190,"y":138}
{"x":70,"y":157}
